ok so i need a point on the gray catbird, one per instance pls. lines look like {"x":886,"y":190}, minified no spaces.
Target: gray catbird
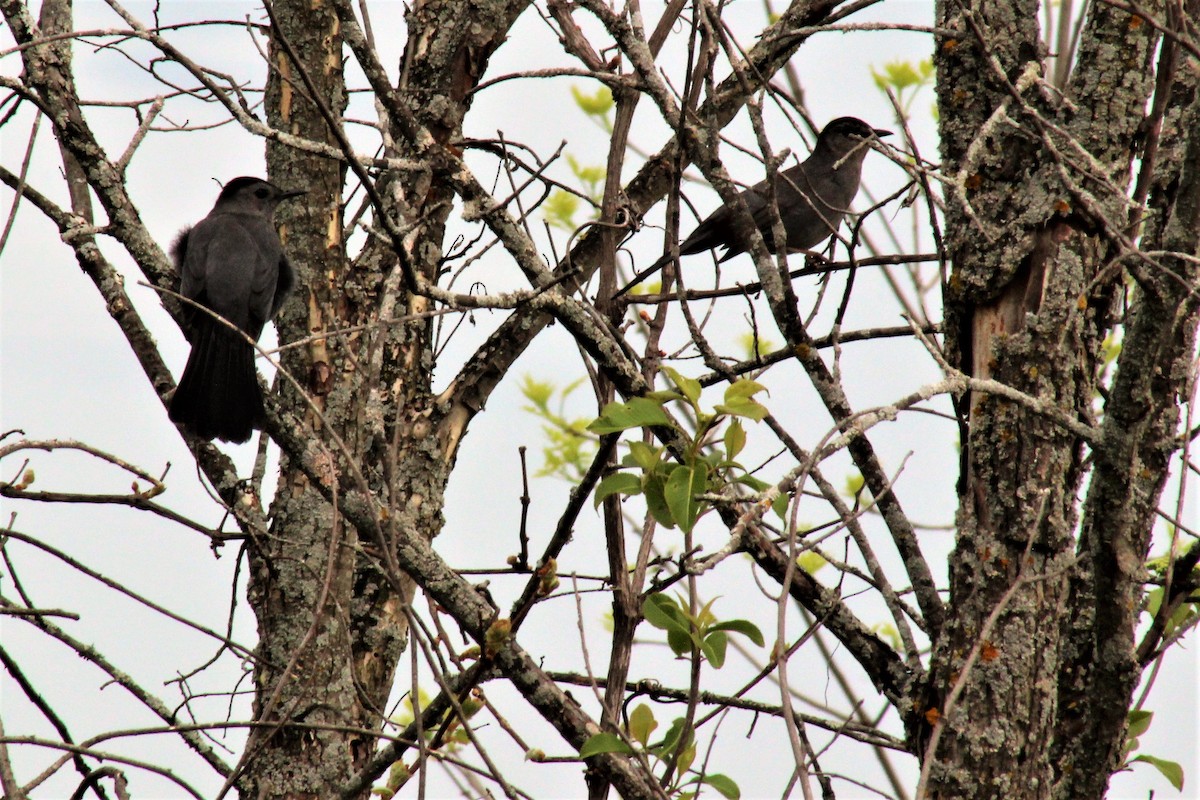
{"x":232,"y":263}
{"x":812,"y":198}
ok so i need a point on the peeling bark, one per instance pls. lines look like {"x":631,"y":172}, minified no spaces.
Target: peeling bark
{"x":1034,"y":226}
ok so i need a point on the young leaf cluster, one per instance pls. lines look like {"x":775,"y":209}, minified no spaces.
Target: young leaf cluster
{"x":674,"y":747}
{"x":702,"y":631}
{"x":675,"y":484}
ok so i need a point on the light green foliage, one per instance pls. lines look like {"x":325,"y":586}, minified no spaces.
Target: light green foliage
{"x":810,"y":561}
{"x":673,"y":487}
{"x":642,"y":724}
{"x":855,"y":484}
{"x":1139,"y":723}
{"x":1182,"y":617}
{"x":754,"y":346}
{"x":604,"y":743}
{"x":592,"y":177}
{"x":902,"y":75}
{"x":1185,"y":615}
{"x":905,"y":79}
{"x":886,"y":630}
{"x":598,"y":106}
{"x":702,"y":631}
{"x":561,"y":207}
{"x":673,"y":747}
{"x":399,"y":773}
{"x":569,"y":448}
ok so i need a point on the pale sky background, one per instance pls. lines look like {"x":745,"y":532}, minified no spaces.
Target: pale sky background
{"x":66,"y":373}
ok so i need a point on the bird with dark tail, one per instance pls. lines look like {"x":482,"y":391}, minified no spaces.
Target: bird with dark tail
{"x":231,"y":263}
{"x":812,"y":198}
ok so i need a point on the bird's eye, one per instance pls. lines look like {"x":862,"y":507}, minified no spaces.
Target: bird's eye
{"x":262,"y":194}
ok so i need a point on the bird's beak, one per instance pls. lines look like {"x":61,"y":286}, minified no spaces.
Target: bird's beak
{"x":880,"y":132}
{"x":289,"y":195}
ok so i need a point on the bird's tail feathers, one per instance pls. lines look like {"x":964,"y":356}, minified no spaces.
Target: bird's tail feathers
{"x":218,"y":396}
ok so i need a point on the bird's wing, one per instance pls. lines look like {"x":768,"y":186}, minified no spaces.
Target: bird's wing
{"x":283,"y":284}
{"x":233,"y":269}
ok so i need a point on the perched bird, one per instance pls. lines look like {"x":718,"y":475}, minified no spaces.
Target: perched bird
{"x":232,"y":263}
{"x":812,"y":198}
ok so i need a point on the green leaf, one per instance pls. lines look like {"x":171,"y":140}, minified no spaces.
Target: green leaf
{"x":743,"y":626}
{"x":1139,"y":723}
{"x":537,"y":392}
{"x":680,"y":492}
{"x":901,"y":75}
{"x":680,"y":641}
{"x":1180,"y":617}
{"x":810,"y":561}
{"x":743,"y":407}
{"x":743,"y":389}
{"x":604,"y":743}
{"x":755,"y":346}
{"x":1170,"y":770}
{"x":1153,"y":601}
{"x":705,"y":618}
{"x":725,"y":785}
{"x":735,"y":439}
{"x":644,"y":456}
{"x":618,"y":483}
{"x":686,"y":756}
{"x":757,"y":484}
{"x":714,"y":647}
{"x":661,"y":611}
{"x":780,"y":506}
{"x":590,"y":175}
{"x":671,"y":739}
{"x":688,"y":386}
{"x":637,"y":413}
{"x":656,"y":501}
{"x":597,"y":104}
{"x":642,"y":723}
{"x":560,"y":209}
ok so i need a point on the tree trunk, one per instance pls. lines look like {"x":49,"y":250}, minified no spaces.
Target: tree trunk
{"x":1034,"y":227}
{"x":332,"y":615}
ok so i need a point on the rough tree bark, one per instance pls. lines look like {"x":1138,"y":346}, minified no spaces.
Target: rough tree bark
{"x":332,"y":625}
{"x":1040,"y":644}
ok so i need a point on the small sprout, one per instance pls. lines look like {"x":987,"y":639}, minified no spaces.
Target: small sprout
{"x":26,"y":480}
{"x":548,"y":578}
{"x":594,"y":105}
{"x":497,"y":636}
{"x":810,"y":561}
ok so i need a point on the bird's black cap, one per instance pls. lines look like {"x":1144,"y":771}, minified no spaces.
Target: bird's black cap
{"x":853,"y":126}
{"x":237,"y":184}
